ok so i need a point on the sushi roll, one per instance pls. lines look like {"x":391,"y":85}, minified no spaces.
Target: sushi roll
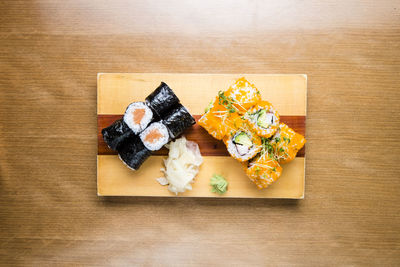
{"x":177,"y":120}
{"x":114,"y":134}
{"x":227,"y":106}
{"x":155,"y":136}
{"x":242,"y":144}
{"x":243,"y":95}
{"x":263,"y":170}
{"x":137,"y":116}
{"x":162,"y":99}
{"x":217,"y":120}
{"x":286,"y":143}
{"x":132,"y":152}
{"x":263,"y":119}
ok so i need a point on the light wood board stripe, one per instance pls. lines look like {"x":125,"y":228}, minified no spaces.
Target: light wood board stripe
{"x":115,"y":179}
{"x":287,"y":92}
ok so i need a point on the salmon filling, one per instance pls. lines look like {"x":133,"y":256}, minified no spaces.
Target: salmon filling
{"x":153,"y":136}
{"x":138,"y":115}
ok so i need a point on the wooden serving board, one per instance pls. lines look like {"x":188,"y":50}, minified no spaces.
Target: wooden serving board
{"x":288,"y":94}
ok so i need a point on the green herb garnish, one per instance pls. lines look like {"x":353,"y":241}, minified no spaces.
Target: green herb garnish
{"x":226,"y":101}
{"x":268,"y":148}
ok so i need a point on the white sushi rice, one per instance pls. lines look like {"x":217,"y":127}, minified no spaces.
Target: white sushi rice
{"x":130,"y":120}
{"x":157,"y":144}
{"x":232,"y":149}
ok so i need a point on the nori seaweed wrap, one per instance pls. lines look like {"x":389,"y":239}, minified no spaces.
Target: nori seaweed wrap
{"x":114,"y":134}
{"x":132,"y":152}
{"x":162,"y":99}
{"x":177,"y":120}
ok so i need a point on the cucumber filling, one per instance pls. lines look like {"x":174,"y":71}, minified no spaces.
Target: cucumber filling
{"x":243,"y":143}
{"x":265,"y":119}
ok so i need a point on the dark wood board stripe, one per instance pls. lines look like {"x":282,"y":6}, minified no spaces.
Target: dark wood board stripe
{"x":208,"y":145}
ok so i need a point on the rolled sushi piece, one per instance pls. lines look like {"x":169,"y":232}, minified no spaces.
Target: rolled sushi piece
{"x":263,"y":170}
{"x":263,"y":119}
{"x":286,"y":143}
{"x":177,"y":120}
{"x":242,"y":144}
{"x":218,"y":120}
{"x":114,"y":134}
{"x":137,"y":116}
{"x":227,"y":106}
{"x":243,"y":94}
{"x":132,"y":152}
{"x":155,"y":136}
{"x":162,"y":99}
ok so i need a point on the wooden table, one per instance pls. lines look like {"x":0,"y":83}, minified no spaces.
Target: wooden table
{"x":50,"y":53}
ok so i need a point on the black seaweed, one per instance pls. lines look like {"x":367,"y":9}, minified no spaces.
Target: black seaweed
{"x":177,"y":120}
{"x":133,"y":152}
{"x":162,"y":99}
{"x":114,"y":134}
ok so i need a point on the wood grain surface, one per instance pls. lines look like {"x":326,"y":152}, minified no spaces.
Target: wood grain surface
{"x":50,"y":53}
{"x":114,"y":179}
{"x":288,"y":92}
{"x":115,"y":91}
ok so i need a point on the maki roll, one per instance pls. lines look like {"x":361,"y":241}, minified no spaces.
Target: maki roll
{"x":114,"y":134}
{"x":177,"y":120}
{"x":243,"y":95}
{"x":137,"y":116}
{"x":136,"y":135}
{"x":242,"y":144}
{"x":213,"y":119}
{"x":286,"y":143}
{"x":263,"y":119}
{"x":263,"y":170}
{"x":227,"y":106}
{"x":132,"y":152}
{"x":219,"y":117}
{"x":155,"y":136}
{"x":162,"y":99}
